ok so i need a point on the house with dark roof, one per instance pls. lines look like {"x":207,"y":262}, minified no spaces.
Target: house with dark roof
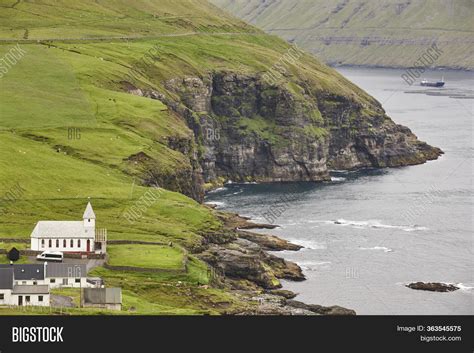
{"x":21,"y":294}
{"x":27,"y":274}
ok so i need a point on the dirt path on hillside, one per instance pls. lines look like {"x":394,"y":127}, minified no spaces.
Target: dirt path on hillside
{"x":128,"y":38}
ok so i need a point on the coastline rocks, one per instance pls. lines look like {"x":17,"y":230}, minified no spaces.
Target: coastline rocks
{"x":433,"y":286}
{"x":269,"y":242}
{"x":266,"y":241}
{"x":287,"y":294}
{"x":245,"y":260}
{"x":239,"y":263}
{"x":251,"y":225}
{"x":221,"y":237}
{"x":321,"y":310}
{"x":284,"y":269}
{"x":236,"y":222}
{"x":241,"y":256}
{"x":272,"y":305}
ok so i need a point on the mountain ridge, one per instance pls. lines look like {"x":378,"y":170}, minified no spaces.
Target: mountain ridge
{"x":387,"y":33}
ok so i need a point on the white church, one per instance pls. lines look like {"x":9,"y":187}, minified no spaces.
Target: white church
{"x":70,"y":236}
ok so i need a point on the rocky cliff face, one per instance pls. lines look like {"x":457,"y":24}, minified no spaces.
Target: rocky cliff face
{"x":249,"y":130}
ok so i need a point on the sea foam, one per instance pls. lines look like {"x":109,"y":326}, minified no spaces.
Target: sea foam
{"x":375,"y":224}
{"x":308,"y":244}
{"x":338,"y":179}
{"x":313,"y":265}
{"x":464,"y":287}
{"x":385,"y":249}
{"x":216,"y":203}
{"x":217,"y":190}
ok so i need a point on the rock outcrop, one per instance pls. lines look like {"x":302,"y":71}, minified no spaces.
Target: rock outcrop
{"x":269,"y":242}
{"x":321,"y":310}
{"x":241,"y":259}
{"x":287,"y":294}
{"x":433,"y":286}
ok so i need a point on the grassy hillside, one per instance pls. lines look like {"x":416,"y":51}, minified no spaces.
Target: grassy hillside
{"x":356,"y":32}
{"x":69,"y":19}
{"x":67,"y":129}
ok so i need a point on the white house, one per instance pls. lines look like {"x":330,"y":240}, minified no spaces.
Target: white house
{"x":66,"y":275}
{"x":70,"y":236}
{"x":21,"y":294}
{"x":25,"y":295}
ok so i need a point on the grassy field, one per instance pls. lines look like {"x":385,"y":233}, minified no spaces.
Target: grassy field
{"x":400,"y":32}
{"x":146,"y":256}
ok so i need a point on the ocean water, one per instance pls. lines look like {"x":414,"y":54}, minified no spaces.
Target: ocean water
{"x":368,"y":233}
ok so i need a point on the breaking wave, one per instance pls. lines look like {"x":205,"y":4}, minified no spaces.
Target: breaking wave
{"x":464,"y":287}
{"x":385,"y":249}
{"x":313,"y":265}
{"x":338,"y":179}
{"x":216,"y":203}
{"x":308,"y":244}
{"x":376,"y":224}
{"x":217,"y":190}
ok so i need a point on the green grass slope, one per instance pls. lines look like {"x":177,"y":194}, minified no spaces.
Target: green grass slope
{"x":375,"y":33}
{"x":93,"y":19}
{"x":67,"y":129}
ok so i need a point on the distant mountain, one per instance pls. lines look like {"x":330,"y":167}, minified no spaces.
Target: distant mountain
{"x":388,"y":33}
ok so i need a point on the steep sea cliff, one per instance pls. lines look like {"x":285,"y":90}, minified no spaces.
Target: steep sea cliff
{"x":247,"y":130}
